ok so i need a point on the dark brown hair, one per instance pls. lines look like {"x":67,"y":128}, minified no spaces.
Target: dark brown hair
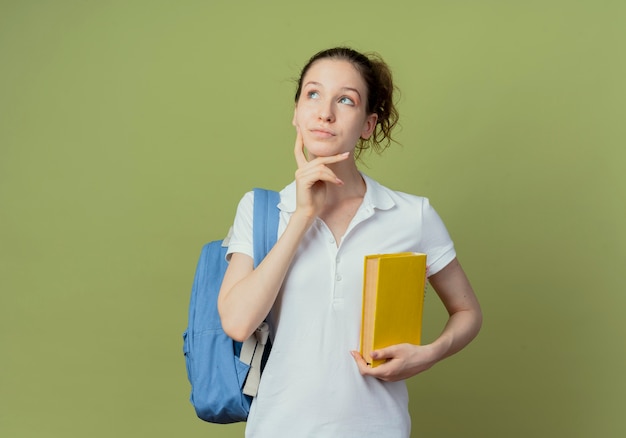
{"x":380,"y":92}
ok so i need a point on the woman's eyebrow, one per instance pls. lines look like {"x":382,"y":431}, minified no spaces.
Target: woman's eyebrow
{"x":317,"y":84}
{"x":351,"y":89}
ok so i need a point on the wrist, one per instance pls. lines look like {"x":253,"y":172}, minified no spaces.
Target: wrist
{"x":438,"y":350}
{"x":303,"y":218}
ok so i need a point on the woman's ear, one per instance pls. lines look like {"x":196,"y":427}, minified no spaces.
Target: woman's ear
{"x":295,"y":112}
{"x":368,"y":127}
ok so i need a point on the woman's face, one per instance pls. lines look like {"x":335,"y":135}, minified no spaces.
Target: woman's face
{"x":330,"y":112}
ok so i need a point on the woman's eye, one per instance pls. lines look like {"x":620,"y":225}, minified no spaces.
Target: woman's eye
{"x":313,"y":94}
{"x":346,"y":100}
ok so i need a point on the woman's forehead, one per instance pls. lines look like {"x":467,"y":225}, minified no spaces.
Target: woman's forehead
{"x":327,"y":72}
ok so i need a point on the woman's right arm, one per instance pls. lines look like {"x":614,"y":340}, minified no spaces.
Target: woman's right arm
{"x":248,"y":294}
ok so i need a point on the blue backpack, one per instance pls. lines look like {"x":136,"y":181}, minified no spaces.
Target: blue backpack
{"x":223,"y":373}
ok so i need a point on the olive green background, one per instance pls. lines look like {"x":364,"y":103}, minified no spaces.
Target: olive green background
{"x":130,"y":129}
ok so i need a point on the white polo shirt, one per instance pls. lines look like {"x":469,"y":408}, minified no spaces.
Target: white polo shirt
{"x":311,"y":386}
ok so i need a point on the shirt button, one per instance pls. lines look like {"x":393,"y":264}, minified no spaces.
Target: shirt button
{"x":338,"y":277}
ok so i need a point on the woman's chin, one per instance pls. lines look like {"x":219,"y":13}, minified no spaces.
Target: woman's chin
{"x":319,"y":149}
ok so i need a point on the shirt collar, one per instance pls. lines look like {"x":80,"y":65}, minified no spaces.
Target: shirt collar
{"x":376,"y":196}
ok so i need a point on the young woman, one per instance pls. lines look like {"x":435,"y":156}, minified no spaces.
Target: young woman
{"x":315,"y":384}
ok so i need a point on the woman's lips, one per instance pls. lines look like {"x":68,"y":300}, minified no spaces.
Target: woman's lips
{"x":322,"y":133}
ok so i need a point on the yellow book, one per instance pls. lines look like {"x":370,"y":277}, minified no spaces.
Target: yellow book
{"x":393,"y":301}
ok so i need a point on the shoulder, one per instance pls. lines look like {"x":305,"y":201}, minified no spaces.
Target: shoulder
{"x":288,"y":198}
{"x":246,"y":204}
{"x":384,"y":197}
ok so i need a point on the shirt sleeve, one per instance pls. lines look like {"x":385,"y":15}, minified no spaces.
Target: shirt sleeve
{"x":241,"y":235}
{"x":436,"y":242}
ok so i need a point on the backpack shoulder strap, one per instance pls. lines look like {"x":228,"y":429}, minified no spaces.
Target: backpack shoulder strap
{"x":265,"y":222}
{"x":264,"y":236}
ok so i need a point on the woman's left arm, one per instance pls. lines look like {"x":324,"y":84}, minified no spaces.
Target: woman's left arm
{"x":407,"y":360}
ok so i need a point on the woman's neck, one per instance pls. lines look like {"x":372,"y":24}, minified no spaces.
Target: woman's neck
{"x":342,"y":201}
{"x":353,"y":184}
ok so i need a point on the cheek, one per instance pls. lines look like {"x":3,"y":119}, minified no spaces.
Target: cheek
{"x":299,"y":115}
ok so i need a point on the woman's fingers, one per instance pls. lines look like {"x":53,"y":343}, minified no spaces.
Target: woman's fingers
{"x":311,"y":175}
{"x":302,"y":160}
{"x":299,"y":150}
{"x":318,"y":170}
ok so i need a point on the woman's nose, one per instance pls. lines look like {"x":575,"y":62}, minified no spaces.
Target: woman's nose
{"x":326,"y":113}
